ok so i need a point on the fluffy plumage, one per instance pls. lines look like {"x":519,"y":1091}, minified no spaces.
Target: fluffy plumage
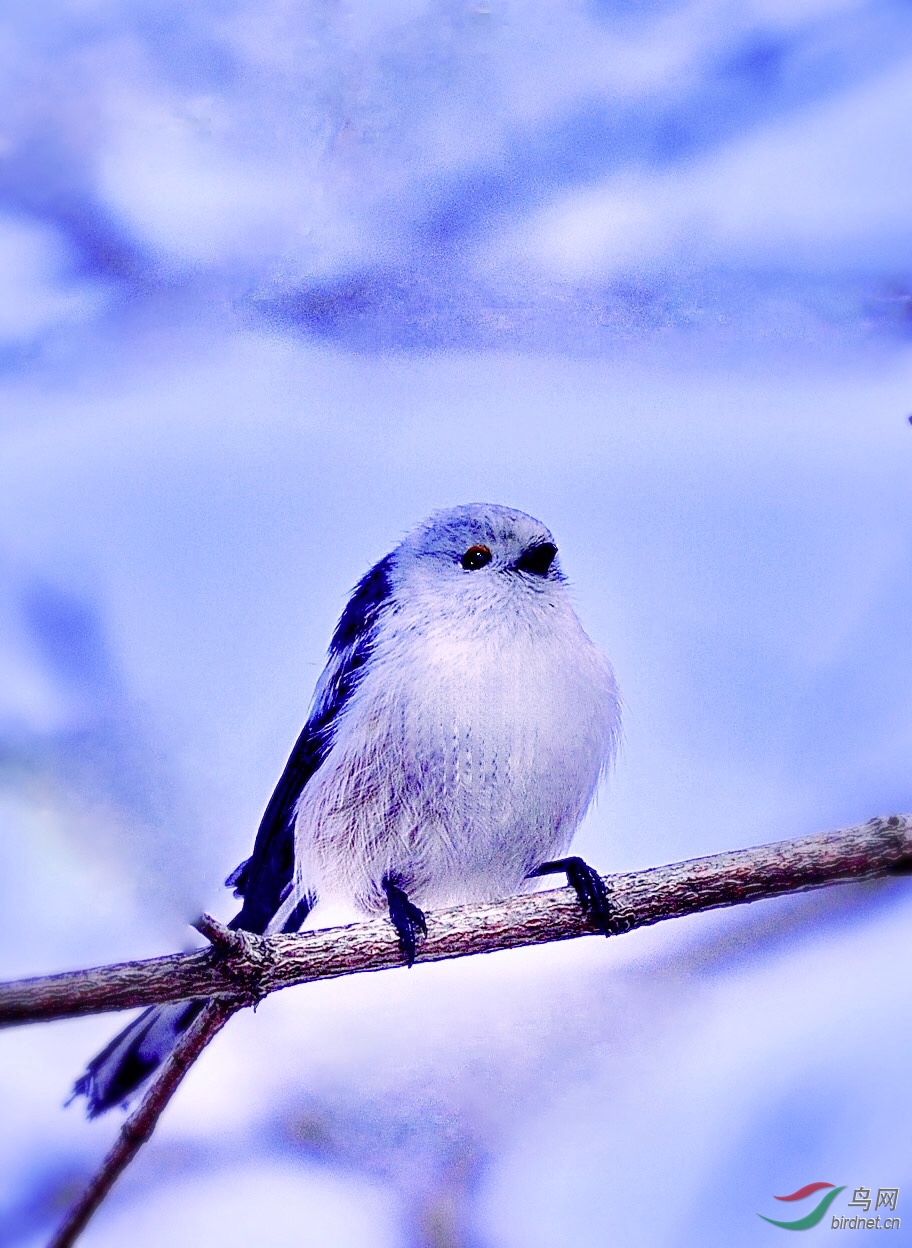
{"x":455,"y":739}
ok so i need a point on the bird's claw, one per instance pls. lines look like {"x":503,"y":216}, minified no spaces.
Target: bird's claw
{"x":589,"y":888}
{"x":406,"y":918}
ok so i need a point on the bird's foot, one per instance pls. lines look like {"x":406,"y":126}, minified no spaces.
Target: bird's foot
{"x":589,"y":888}
{"x":406,"y":918}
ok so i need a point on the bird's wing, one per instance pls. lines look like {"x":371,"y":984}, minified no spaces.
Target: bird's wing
{"x":264,"y":879}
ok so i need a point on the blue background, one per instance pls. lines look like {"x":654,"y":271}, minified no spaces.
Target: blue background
{"x":278,"y":279}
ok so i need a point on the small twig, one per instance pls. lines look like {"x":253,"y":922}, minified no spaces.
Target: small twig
{"x":227,"y":939}
{"x":137,"y":1129}
{"x":242,"y":968}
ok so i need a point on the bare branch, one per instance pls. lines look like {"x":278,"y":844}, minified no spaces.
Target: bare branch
{"x":141,"y":1123}
{"x":241,"y":969}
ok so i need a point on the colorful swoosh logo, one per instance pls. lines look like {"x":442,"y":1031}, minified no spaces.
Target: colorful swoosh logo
{"x":808,"y":1190}
{"x":816,"y":1214}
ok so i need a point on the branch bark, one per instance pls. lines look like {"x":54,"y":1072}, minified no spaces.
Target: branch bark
{"x":240,"y":969}
{"x":142,"y":1122}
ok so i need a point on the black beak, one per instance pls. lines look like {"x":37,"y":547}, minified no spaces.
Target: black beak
{"x":537,"y":559}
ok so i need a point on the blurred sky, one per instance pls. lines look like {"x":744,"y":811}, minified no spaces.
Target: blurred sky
{"x":276,"y":280}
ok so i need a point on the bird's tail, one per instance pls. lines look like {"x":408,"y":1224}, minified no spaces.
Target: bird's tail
{"x":133,"y":1055}
{"x":270,"y":904}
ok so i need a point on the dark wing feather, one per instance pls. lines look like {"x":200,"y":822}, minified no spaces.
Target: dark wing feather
{"x":264,"y":879}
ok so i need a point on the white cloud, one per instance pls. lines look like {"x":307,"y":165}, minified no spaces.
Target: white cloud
{"x":177,"y":172}
{"x":829,"y":189}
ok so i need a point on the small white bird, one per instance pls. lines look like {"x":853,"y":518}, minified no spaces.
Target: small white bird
{"x":456,"y":737}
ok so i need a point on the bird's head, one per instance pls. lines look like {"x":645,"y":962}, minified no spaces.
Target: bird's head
{"x":481,"y":550}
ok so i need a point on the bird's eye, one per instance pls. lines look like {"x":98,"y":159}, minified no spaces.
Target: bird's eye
{"x":475,"y":557}
{"x":537,"y":559}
